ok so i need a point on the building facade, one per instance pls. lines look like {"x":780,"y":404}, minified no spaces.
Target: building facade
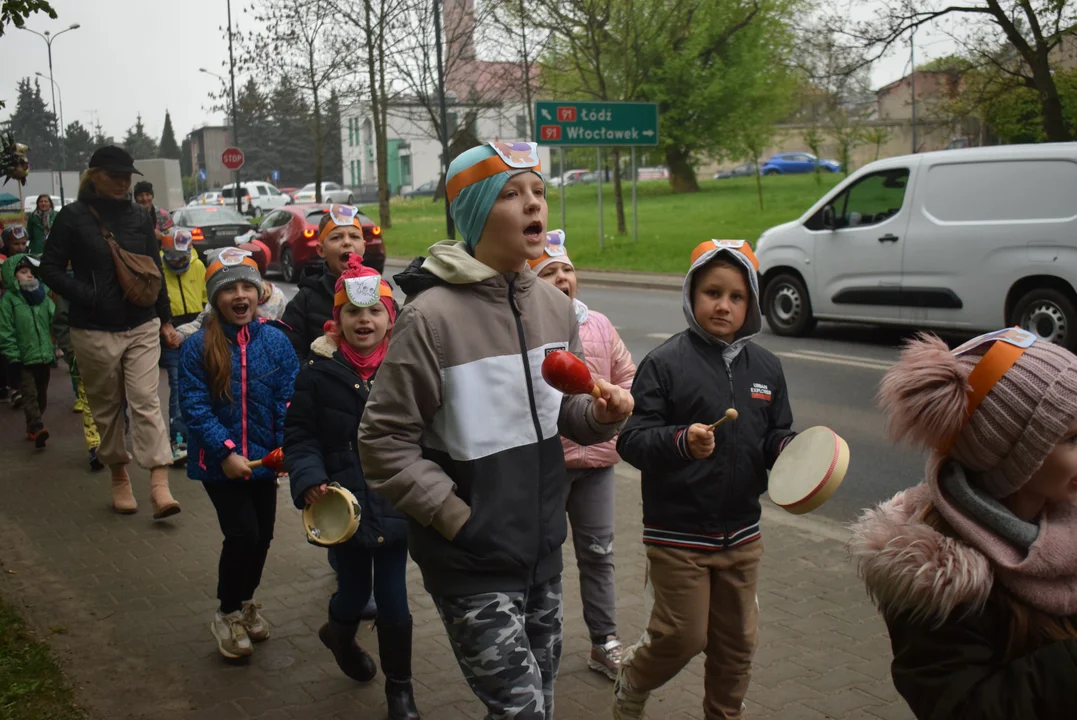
{"x":413,"y":149}
{"x":207,"y":145}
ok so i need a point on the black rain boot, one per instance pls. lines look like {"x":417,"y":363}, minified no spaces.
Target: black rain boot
{"x":352,"y":659}
{"x":394,"y":646}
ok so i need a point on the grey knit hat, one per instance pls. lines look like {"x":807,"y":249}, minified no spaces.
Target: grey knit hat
{"x":230,"y":265}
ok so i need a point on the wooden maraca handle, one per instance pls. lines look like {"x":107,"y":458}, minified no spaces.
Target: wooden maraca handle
{"x":254,"y":464}
{"x":730,"y":414}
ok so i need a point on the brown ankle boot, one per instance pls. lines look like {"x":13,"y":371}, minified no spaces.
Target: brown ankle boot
{"x":164,"y":505}
{"x":123,"y":500}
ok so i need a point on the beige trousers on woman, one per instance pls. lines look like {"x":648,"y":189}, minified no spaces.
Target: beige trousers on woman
{"x":118,"y":366}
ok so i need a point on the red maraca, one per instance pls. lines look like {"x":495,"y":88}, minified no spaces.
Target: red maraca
{"x":274,"y":461}
{"x":565,"y":372}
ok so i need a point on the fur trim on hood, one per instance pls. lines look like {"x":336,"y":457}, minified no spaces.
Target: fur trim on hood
{"x":324,"y":346}
{"x":909,"y":567}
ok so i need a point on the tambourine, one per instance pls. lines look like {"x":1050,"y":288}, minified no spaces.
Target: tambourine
{"x":809,"y":470}
{"x":333,"y":518}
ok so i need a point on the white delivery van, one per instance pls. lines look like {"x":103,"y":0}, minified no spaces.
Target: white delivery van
{"x":971,"y":240}
{"x":258,"y":197}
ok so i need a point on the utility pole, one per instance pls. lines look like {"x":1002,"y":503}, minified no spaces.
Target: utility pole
{"x":235,"y":125}
{"x":912,"y":82}
{"x":450,"y":228}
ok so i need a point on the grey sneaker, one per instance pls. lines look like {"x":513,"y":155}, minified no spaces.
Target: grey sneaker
{"x":606,"y":658}
{"x":232,"y":639}
{"x":627,"y":703}
{"x":256,"y":625}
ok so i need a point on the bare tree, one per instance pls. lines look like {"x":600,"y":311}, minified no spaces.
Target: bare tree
{"x":303,"y":40}
{"x":381,"y":29}
{"x":1031,"y":29}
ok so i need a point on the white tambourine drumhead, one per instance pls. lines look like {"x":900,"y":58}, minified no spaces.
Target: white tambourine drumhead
{"x":809,"y":470}
{"x":333,"y":519}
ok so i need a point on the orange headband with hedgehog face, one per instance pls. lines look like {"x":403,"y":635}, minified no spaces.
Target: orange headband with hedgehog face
{"x":509,"y":156}
{"x":340,"y":216}
{"x":363,"y":291}
{"x":735,"y":245}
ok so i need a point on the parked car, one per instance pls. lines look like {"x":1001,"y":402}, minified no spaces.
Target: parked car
{"x":427,"y":190}
{"x":970,"y":241}
{"x":797,"y":163}
{"x":292,"y":236}
{"x":651,"y":173}
{"x":211,"y":226}
{"x":257,"y":197}
{"x":569,"y":177}
{"x":289,"y":191}
{"x":331,"y":193}
{"x":747,"y":169}
{"x":210,"y":197}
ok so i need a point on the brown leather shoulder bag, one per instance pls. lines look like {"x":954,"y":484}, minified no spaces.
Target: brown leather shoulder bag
{"x":137,"y":275}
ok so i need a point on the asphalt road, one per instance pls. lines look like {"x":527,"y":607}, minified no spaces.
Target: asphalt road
{"x":832,"y":376}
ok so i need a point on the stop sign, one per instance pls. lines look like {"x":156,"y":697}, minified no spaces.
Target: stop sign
{"x":232,"y":158}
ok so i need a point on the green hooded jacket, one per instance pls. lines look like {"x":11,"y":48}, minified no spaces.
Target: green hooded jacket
{"x":25,"y":335}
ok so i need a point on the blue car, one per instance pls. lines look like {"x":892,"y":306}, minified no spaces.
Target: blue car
{"x":796,"y":163}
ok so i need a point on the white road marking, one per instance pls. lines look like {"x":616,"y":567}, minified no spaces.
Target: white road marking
{"x":876,"y":361}
{"x":660,"y":336}
{"x":846,"y":360}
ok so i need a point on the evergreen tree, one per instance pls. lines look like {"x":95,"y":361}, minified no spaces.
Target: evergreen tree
{"x":290,"y":135}
{"x":253,"y":114}
{"x":101,"y":138}
{"x":168,"y":148}
{"x":34,"y":126}
{"x":140,"y":145}
{"x":78,"y":146}
{"x":333,"y":159}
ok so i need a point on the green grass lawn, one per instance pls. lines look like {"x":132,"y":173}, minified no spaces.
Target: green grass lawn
{"x":670,"y":225}
{"x":31,"y":684}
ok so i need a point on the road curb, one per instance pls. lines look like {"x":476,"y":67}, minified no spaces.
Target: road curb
{"x":598,"y":278}
{"x":815,"y":525}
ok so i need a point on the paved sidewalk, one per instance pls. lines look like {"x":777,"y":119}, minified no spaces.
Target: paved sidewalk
{"x":126,"y":602}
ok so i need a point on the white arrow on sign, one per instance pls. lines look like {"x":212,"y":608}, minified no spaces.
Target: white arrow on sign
{"x":648,"y":133}
{"x":546,"y":114}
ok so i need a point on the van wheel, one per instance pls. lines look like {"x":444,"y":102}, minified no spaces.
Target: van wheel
{"x":288,"y":269}
{"x":1049,"y":314}
{"x":788,"y":307}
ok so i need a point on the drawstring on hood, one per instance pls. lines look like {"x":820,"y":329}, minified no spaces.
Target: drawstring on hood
{"x":753,"y":320}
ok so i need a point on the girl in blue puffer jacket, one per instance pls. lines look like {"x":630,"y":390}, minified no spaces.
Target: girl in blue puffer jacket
{"x":235,"y":381}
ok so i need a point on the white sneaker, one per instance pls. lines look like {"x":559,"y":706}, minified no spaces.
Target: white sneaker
{"x":256,"y":625}
{"x":232,"y":639}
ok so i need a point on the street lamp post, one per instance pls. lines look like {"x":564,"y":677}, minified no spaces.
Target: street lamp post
{"x":63,"y":134}
{"x":48,"y":38}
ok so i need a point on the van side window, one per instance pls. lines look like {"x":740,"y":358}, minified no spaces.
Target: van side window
{"x":871,"y":200}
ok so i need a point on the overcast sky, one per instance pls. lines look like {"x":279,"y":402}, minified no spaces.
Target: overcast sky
{"x":134,"y":56}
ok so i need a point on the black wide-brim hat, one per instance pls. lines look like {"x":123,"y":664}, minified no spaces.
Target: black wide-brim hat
{"x":113,"y":159}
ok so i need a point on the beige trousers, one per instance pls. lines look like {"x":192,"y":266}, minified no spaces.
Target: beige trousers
{"x":118,"y":366}
{"x":703,"y":602}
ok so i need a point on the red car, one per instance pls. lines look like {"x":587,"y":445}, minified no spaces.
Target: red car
{"x":291,"y":233}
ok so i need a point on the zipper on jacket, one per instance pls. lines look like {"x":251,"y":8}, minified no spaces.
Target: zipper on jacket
{"x":534,"y":417}
{"x":243,"y":337}
{"x":732,"y":447}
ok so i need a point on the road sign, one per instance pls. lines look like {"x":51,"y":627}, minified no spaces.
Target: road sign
{"x":202,"y":174}
{"x":232,"y":158}
{"x":275,"y":175}
{"x":596,"y":123}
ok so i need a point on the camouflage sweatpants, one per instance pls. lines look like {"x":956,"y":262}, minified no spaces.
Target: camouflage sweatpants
{"x":508,"y":645}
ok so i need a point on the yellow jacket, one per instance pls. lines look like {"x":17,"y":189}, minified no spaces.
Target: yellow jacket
{"x":186,"y":292}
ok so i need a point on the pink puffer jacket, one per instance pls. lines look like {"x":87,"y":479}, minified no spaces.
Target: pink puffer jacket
{"x":608,"y":359}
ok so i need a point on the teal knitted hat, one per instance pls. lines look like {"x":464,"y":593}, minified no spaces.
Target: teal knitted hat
{"x":472,"y":206}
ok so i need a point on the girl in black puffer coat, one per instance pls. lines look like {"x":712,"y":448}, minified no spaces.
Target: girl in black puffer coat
{"x":320,"y":433}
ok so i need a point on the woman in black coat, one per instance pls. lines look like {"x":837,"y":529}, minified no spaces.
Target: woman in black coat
{"x":320,"y":433}
{"x":117,"y":343}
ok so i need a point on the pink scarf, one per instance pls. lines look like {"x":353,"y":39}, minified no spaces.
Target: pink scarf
{"x":1045,"y":576}
{"x":365,"y":365}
